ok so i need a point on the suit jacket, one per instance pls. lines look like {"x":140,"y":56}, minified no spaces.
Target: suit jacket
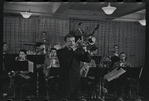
{"x":70,"y":68}
{"x":78,"y":34}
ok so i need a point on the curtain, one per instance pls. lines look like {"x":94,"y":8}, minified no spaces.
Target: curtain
{"x":130,"y":36}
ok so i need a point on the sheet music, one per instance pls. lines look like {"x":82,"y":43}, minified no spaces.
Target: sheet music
{"x":140,"y":72}
{"x":30,"y":66}
{"x":114,"y":74}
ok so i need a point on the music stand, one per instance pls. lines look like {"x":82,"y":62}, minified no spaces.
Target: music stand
{"x":133,"y":73}
{"x":92,"y":72}
{"x":98,"y":73}
{"x":54,"y":71}
{"x":37,"y":59}
{"x":9,"y":60}
{"x":21,"y":65}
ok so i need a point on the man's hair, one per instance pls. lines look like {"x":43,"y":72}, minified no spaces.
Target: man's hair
{"x":93,"y":48}
{"x":53,"y":49}
{"x":68,"y":36}
{"x":23,"y":50}
{"x":4,"y":43}
{"x":116,"y":45}
{"x":123,"y":53}
{"x":80,"y":23}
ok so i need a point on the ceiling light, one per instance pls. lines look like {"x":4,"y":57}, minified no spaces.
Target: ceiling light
{"x":142,"y":22}
{"x":26,"y":14}
{"x":109,"y":10}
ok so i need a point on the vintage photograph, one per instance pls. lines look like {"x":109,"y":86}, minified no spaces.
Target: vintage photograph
{"x":74,"y":51}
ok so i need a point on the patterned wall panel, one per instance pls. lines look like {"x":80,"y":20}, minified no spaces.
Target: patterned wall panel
{"x":130,"y":36}
{"x":19,"y":31}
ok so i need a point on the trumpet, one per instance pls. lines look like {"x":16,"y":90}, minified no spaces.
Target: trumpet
{"x":11,"y":74}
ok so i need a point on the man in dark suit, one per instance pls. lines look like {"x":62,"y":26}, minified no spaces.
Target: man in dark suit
{"x":79,"y":33}
{"x":3,"y":72}
{"x":69,"y":58}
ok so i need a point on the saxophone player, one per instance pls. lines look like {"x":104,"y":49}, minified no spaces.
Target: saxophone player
{"x":23,"y":77}
{"x":50,"y":61}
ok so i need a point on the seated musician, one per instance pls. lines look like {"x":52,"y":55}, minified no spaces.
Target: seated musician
{"x":40,"y":48}
{"x":110,"y":58}
{"x":122,"y":81}
{"x":51,"y":61}
{"x":23,"y":77}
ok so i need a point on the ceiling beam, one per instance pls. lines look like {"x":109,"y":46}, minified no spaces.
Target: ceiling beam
{"x":56,"y":6}
{"x":127,"y":10}
{"x":61,"y":8}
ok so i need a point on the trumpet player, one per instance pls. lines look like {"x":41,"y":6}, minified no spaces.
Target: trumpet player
{"x":69,"y":58}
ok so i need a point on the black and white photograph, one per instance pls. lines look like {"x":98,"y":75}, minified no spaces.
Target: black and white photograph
{"x":74,"y":51}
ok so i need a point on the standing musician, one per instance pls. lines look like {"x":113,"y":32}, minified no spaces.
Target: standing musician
{"x":122,"y":81}
{"x":79,"y":33}
{"x":22,"y":77}
{"x":82,"y":35}
{"x":3,"y":71}
{"x":69,"y":58}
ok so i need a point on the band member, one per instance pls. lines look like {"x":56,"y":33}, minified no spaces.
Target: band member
{"x":5,"y":48}
{"x":85,"y":66}
{"x":79,"y":33}
{"x":23,"y":77}
{"x":51,"y":61}
{"x":110,"y":58}
{"x":40,"y":48}
{"x":85,"y":69}
{"x":69,"y":58}
{"x":3,"y":71}
{"x":122,"y":81}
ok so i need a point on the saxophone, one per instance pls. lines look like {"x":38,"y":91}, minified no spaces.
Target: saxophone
{"x":53,"y":63}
